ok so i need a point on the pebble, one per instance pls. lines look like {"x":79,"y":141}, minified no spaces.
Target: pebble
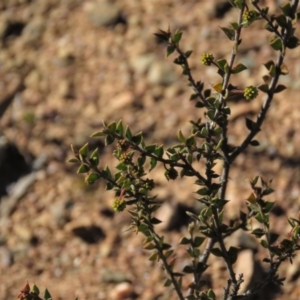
{"x":102,"y":13}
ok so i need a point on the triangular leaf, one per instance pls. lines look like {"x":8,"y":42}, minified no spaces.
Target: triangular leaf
{"x":230,"y":33}
{"x":238,"y":68}
{"x":279,"y":88}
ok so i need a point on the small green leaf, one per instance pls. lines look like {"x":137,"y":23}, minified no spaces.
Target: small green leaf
{"x":84,"y":168}
{"x":47,"y":295}
{"x":276,"y":43}
{"x":239,"y":3}
{"x":94,"y":158}
{"x":181,"y":137}
{"x":142,"y":228}
{"x":221,"y":63}
{"x":121,"y":167}
{"x":204,"y":132}
{"x":184,"y":241}
{"x":168,"y":282}
{"x":109,"y":140}
{"x":162,"y":36}
{"x":279,"y":88}
{"x":156,"y":221}
{"x":73,"y":160}
{"x":168,"y":253}
{"x":153,"y":256}
{"x":188,"y":269}
{"x":234,"y":25}
{"x":188,"y":53}
{"x":216,"y":252}
{"x":264,"y":88}
{"x":175,"y":156}
{"x":159,"y":151}
{"x":268,"y":206}
{"x":281,"y":20}
{"x":267,"y":79}
{"x":269,"y":64}
{"x":98,"y":133}
{"x":191,"y":141}
{"x":293,"y":42}
{"x":230,"y":33}
{"x":177,"y":37}
{"x":219,"y":145}
{"x":233,"y":253}
{"x":141,"y":160}
{"x":170,"y":50}
{"x":273,"y":238}
{"x":193,"y":97}
{"x":153,"y":163}
{"x":84,"y":151}
{"x":258,"y":232}
{"x":120,"y":128}
{"x":226,"y":110}
{"x":264,"y":243}
{"x":149,"y":246}
{"x":259,"y":218}
{"x":284,"y":70}
{"x":268,"y":191}
{"x":166,"y":246}
{"x":92,"y":178}
{"x":73,"y":150}
{"x":220,"y":203}
{"x":151,"y":148}
{"x":202,"y":191}
{"x":250,"y":124}
{"x":287,"y":9}
{"x":35,"y":290}
{"x":198,"y":241}
{"x":254,"y":143}
{"x":112,"y":126}
{"x":217,"y":131}
{"x":211,"y":294}
{"x":238,"y":68}
{"x":128,"y":133}
{"x":137,"y":138}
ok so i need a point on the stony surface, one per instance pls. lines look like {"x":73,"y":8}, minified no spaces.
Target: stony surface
{"x":84,"y":61}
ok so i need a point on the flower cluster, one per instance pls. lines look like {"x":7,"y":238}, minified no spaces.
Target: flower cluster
{"x":207,"y":59}
{"x":250,"y":92}
{"x":119,"y":205}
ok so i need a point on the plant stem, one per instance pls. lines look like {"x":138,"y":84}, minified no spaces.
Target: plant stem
{"x":176,"y":286}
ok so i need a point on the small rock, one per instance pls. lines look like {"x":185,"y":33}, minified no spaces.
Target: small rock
{"x":173,"y":216}
{"x":34,"y":30}
{"x":246,"y":265}
{"x":120,"y":101}
{"x":102,"y":13}
{"x":161,"y":73}
{"x":6,"y":257}
{"x":253,"y":272}
{"x":123,"y":290}
{"x":61,"y":212}
{"x":141,"y":64}
{"x":242,"y":240}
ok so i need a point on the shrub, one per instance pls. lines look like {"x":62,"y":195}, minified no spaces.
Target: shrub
{"x":33,"y":293}
{"x":208,"y":143}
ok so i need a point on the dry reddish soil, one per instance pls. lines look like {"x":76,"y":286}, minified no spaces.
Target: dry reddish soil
{"x":67,"y":65}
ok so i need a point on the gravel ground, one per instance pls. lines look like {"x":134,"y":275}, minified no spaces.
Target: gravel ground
{"x":67,"y":65}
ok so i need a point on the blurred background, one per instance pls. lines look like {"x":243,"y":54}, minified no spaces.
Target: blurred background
{"x":66,"y":65}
